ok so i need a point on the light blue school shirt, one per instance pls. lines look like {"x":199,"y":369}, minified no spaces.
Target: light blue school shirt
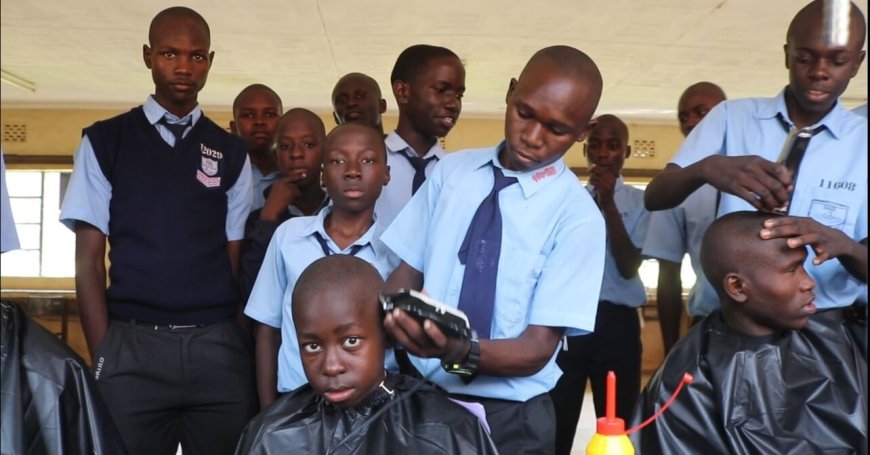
{"x":8,"y":233}
{"x":260,"y":182}
{"x":861,"y":110}
{"x":678,"y":231}
{"x":397,"y":193}
{"x":550,"y":267}
{"x":831,"y":186}
{"x":635,"y":217}
{"x":89,"y":192}
{"x":293,"y":248}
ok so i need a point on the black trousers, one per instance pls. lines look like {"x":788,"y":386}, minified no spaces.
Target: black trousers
{"x":193,"y":386}
{"x":519,"y":427}
{"x":613,"y":346}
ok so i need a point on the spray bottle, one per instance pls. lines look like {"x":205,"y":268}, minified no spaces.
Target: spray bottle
{"x":610,"y":437}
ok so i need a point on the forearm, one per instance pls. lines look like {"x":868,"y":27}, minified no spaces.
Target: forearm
{"x":673,"y":185}
{"x":90,"y":281}
{"x":267,"y":342}
{"x":253,"y":253}
{"x":855,"y":261}
{"x":522,"y":356}
{"x":669,"y":302}
{"x":404,"y":277}
{"x":233,"y":249}
{"x":627,"y":256}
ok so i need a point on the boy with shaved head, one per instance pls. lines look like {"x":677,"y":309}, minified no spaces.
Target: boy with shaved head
{"x":350,"y":403}
{"x":256,"y":111}
{"x":509,"y":236}
{"x":357,"y":98}
{"x":170,"y":190}
{"x":766,"y":377}
{"x":822,"y":182}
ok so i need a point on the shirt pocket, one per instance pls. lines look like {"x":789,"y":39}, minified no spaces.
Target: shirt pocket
{"x":518,"y":273}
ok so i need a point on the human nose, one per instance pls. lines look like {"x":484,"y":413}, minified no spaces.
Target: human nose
{"x":452,"y":102}
{"x":532,"y":134}
{"x":820,"y":69}
{"x":352,"y":170}
{"x":332,"y":363}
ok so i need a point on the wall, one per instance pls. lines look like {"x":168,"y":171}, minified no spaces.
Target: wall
{"x":55,"y":134}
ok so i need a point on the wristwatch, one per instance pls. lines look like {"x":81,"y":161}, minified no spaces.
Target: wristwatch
{"x":466,"y":369}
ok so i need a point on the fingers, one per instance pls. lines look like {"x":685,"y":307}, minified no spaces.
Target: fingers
{"x":408,"y":332}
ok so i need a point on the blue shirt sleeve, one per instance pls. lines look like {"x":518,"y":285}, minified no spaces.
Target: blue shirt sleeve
{"x":239,"y":200}
{"x":267,"y":296}
{"x":88,"y":193}
{"x":666,"y":235}
{"x":706,"y":139}
{"x":8,"y":234}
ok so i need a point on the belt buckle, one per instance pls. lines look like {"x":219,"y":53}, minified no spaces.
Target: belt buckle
{"x":178,"y":327}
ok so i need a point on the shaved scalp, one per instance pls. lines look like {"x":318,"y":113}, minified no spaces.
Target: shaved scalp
{"x":369,"y":82}
{"x":813,"y":15}
{"x":255,"y":88}
{"x":374,"y":136}
{"x":615,"y":123}
{"x":415,"y":58}
{"x":301,"y":112}
{"x":732,"y":244}
{"x":571,"y":62}
{"x":338,"y":272}
{"x":707,"y":88}
{"x":175,"y":12}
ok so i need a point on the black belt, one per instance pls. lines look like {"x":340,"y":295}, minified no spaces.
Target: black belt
{"x":165,"y":327}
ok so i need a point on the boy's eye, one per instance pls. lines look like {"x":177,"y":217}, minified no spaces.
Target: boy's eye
{"x":272,"y":114}
{"x":352,"y":342}
{"x":198,"y":57}
{"x":335,"y":161}
{"x":168,"y":54}
{"x":367,"y":160}
{"x":283,"y":146}
{"x":523,"y":114}
{"x":311,"y":347}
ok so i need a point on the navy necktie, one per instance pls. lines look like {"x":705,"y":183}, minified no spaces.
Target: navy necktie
{"x":327,"y":252}
{"x":177,"y":129}
{"x":419,"y":165}
{"x":479,"y":253}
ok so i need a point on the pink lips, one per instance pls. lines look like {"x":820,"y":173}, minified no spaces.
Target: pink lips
{"x":338,"y":395}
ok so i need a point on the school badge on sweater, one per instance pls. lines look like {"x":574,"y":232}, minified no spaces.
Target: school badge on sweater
{"x":207,"y":174}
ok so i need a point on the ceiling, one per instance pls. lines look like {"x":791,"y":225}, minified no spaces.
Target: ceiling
{"x":87,"y":53}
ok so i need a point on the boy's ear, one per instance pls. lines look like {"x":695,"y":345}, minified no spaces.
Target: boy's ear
{"x":233,"y":126}
{"x":584,"y":149}
{"x":382,"y":106}
{"x":387,"y":175}
{"x":146,"y":55}
{"x":511,"y":86}
{"x":401,"y":90}
{"x":785,"y":50}
{"x":734,"y":285}
{"x":627,"y":151}
{"x":335,"y":117}
{"x":586,"y":130}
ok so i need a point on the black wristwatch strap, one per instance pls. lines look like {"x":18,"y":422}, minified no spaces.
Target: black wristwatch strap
{"x":466,"y":369}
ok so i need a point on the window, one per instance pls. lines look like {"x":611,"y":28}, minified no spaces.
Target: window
{"x":47,"y":246}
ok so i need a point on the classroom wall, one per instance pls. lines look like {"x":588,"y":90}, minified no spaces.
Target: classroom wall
{"x":56,"y":132}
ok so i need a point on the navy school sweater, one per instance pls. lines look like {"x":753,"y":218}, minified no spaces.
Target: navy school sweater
{"x":167,"y":219}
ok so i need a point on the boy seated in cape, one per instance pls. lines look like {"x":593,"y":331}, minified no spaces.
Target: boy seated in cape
{"x":767,"y":377}
{"x":351,"y":404}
